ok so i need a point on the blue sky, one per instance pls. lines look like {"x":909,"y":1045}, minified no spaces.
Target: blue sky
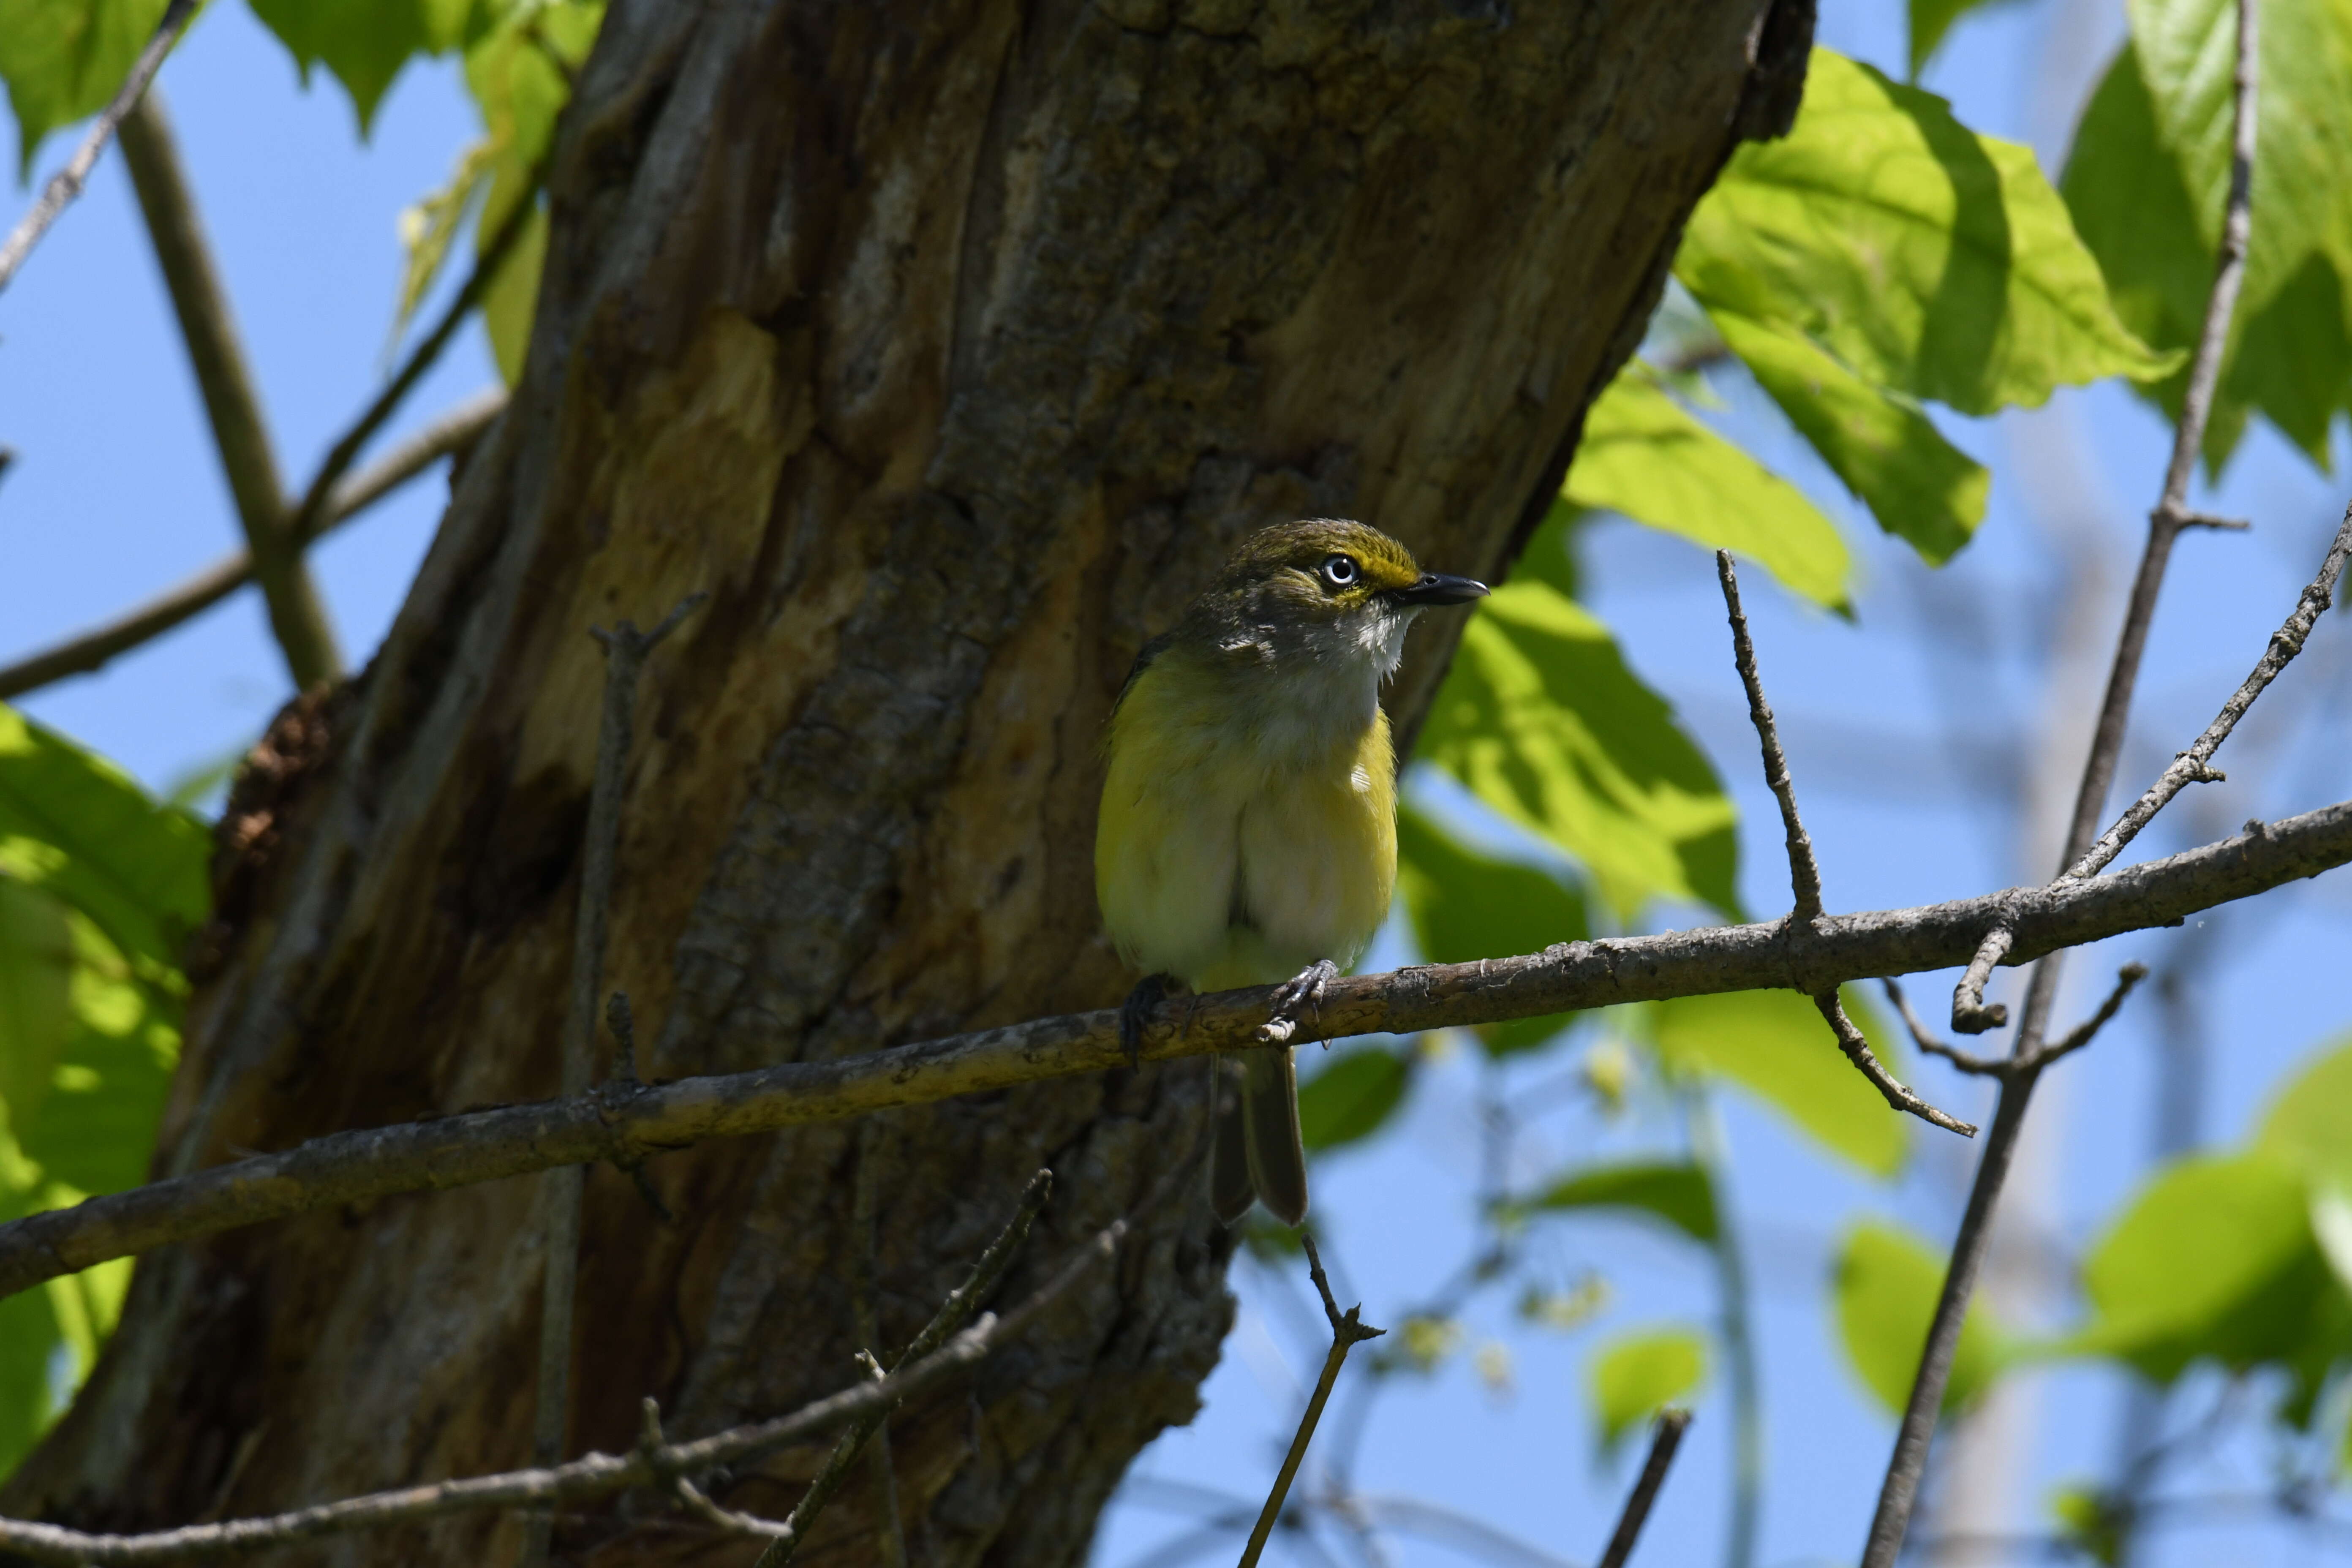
{"x":115,"y":494}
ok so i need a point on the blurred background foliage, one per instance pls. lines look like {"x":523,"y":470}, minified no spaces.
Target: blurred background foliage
{"x":1879,"y":272}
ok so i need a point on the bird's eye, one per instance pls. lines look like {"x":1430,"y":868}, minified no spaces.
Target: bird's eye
{"x":1339,"y":570}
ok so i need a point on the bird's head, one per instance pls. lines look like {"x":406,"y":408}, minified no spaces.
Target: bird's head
{"x":1332,"y":587}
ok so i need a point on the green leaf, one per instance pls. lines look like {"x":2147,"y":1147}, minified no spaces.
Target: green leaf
{"x":37,"y":965}
{"x":1643,"y":455}
{"x":512,"y":303}
{"x":95,"y":1130}
{"x":1678,"y":1194}
{"x":1930,"y":21}
{"x":428,"y":226}
{"x":2309,"y":1123}
{"x":1351,"y":1097}
{"x":1885,"y":1282}
{"x":1882,"y":444}
{"x":73,"y":824}
{"x":2214,"y":1259}
{"x":1636,"y":1375}
{"x":1465,"y":906}
{"x":1776,"y":1045}
{"x":1541,"y":720}
{"x":64,"y":60}
{"x":1929,"y":259}
{"x":29,"y":1327}
{"x":364,"y":43}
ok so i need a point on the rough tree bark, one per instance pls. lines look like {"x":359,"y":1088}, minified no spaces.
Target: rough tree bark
{"x":949,"y":344}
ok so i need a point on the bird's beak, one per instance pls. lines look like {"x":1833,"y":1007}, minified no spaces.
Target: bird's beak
{"x":1436,"y":588}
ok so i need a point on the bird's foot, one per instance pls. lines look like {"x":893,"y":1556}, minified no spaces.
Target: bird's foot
{"x":1135,"y":1012}
{"x":1304,"y":989}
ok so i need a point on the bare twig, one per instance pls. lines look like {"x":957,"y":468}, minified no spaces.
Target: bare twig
{"x":624,"y":660}
{"x":452,"y":432}
{"x":459,"y":1150}
{"x":1966,"y":1061}
{"x":1804,"y":871}
{"x":298,"y":619}
{"x":2128,"y":976}
{"x":959,"y":1305}
{"x":1348,"y":1331}
{"x":592,"y":1475}
{"x":1908,"y":1463}
{"x":66,"y":183}
{"x":318,"y":498}
{"x":1666,"y":1436}
{"x":2194,"y":764}
{"x":1970,"y":1013}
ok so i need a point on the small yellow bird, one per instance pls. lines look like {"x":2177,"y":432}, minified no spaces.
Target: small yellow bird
{"x":1248,"y":828}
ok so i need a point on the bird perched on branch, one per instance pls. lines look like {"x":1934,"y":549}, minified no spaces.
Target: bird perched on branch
{"x":1248,"y":828}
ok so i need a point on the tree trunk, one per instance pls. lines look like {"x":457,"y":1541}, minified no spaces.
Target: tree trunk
{"x":950,"y":344}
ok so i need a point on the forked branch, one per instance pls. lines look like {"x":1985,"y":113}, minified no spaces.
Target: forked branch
{"x":1348,"y":1331}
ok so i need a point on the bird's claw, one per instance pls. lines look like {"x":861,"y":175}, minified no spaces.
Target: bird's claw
{"x":1135,"y":1012}
{"x":1304,"y":989}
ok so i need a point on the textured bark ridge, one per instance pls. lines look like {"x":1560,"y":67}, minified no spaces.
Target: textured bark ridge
{"x":949,"y":344}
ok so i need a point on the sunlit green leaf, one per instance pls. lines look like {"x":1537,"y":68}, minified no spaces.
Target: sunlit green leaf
{"x":1543,"y":721}
{"x":72,"y":824}
{"x":2148,"y":179}
{"x":64,"y":60}
{"x":427,"y":228}
{"x":95,"y":1130}
{"x":1676,"y":1192}
{"x":1920,"y":486}
{"x":28,"y":1328}
{"x":1634,"y":1376}
{"x":2214,"y":1259}
{"x":1927,"y":259}
{"x":1353,"y":1095}
{"x":1776,"y":1046}
{"x":1643,"y":455}
{"x":364,"y":43}
{"x":1885,"y":1281}
{"x":37,"y":965}
{"x":2309,"y":1123}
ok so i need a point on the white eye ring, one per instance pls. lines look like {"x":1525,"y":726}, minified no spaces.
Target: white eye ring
{"x":1339,"y":570}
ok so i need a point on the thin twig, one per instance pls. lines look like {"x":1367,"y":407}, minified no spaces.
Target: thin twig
{"x":93,"y":650}
{"x":298,"y":616}
{"x":1348,"y":1331}
{"x":559,"y":1197}
{"x":1966,"y":1061}
{"x":1856,"y":1047}
{"x":1666,"y":1436}
{"x":593,"y":1475}
{"x":1908,"y":1463}
{"x":985,"y":1274}
{"x":364,"y":1164}
{"x":1970,"y":1013}
{"x":2194,"y":764}
{"x":1804,"y":871}
{"x":66,"y":183}
{"x":318,"y":498}
{"x":2128,"y":976}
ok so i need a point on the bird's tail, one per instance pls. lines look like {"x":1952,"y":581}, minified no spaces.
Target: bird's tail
{"x":1258,"y":1150}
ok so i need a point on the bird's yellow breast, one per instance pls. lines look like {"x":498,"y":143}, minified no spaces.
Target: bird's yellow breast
{"x":1236,"y":844}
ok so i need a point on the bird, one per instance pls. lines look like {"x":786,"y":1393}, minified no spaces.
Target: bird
{"x":1247,"y":833}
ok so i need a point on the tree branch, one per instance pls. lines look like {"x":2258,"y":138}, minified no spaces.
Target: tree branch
{"x":626,"y":1122}
{"x":297,"y":616}
{"x":626,"y":648}
{"x":1348,"y":1331}
{"x":318,"y":499}
{"x":592,"y":1475}
{"x":1666,"y":1437}
{"x":1805,"y":872}
{"x":787,"y":1537}
{"x":66,"y":183}
{"x":452,"y":433}
{"x":1908,"y":1462}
